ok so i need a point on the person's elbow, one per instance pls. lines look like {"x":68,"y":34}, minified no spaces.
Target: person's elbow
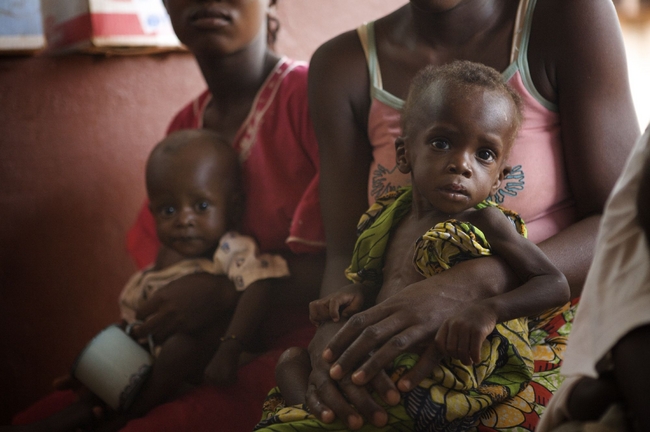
{"x":561,"y":290}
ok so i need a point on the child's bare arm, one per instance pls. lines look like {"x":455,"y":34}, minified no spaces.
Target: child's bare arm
{"x":543,"y":287}
{"x":249,"y":313}
{"x":343,"y":303}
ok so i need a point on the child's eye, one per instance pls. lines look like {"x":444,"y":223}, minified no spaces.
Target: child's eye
{"x":167,"y":211}
{"x":486,"y":155}
{"x":202,"y":206}
{"x":440,"y":144}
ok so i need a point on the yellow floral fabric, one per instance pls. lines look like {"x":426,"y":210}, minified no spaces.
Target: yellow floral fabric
{"x":495,"y":395}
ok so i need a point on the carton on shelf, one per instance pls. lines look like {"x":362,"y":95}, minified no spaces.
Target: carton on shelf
{"x":128,"y":26}
{"x":21,"y":29}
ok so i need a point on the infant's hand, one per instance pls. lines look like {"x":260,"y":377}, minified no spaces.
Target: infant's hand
{"x":343,"y":303}
{"x":461,"y":336}
{"x":222,"y":369}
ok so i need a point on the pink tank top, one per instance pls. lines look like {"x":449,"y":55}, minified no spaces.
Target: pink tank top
{"x":537,"y":188}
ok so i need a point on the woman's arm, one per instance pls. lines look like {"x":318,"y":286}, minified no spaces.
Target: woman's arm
{"x":339,"y":100}
{"x":577,"y":60}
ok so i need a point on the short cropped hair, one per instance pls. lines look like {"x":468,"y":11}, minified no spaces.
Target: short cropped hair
{"x":463,"y":74}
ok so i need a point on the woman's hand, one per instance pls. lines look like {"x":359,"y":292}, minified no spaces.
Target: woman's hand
{"x":328,"y":399}
{"x":410,"y":319}
{"x":185,"y":305}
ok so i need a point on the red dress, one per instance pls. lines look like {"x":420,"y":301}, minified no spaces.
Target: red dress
{"x":279,"y":156}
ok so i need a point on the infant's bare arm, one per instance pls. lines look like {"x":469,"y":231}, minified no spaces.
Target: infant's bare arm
{"x":542,"y":287}
{"x":251,"y":309}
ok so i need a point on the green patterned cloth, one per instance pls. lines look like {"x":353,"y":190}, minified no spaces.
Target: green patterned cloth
{"x":491,"y":395}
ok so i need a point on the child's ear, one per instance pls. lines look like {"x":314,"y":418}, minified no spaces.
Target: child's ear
{"x":502,"y":175}
{"x":401,"y":158}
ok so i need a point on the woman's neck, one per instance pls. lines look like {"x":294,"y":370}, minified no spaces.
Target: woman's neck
{"x":234,"y":81}
{"x":236,"y":78}
{"x":475,"y":30}
{"x":470,"y":21}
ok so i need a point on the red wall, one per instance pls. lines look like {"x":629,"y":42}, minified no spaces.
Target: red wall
{"x":75,"y":131}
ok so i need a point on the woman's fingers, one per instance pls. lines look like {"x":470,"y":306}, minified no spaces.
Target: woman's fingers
{"x":384,"y":355}
{"x":328,"y":399}
{"x":385,"y":388}
{"x":360,"y":398}
{"x":422,"y":369}
{"x":326,"y":402}
{"x":350,"y":332}
{"x":360,"y":336}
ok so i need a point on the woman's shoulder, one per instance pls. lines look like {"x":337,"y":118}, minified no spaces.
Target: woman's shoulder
{"x":341,"y":55}
{"x":570,"y":39}
{"x":293,"y":74}
{"x":572,"y":20}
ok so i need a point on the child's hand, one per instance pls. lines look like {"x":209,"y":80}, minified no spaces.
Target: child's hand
{"x":222,"y":369}
{"x":461,"y":336}
{"x":343,"y":303}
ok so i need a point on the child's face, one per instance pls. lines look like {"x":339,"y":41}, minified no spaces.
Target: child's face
{"x":190,"y":202}
{"x":457,"y":148}
{"x":225,"y":26}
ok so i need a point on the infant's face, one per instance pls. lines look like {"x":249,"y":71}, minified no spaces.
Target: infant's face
{"x":191,"y":207}
{"x":457,"y":152}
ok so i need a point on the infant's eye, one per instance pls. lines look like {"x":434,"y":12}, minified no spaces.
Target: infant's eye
{"x":167,"y":211}
{"x":440,"y":144}
{"x":203,"y":205}
{"x":486,"y":155}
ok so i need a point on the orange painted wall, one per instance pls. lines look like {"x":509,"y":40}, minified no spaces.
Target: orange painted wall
{"x":75,"y":131}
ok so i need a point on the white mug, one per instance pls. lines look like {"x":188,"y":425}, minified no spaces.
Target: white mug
{"x":113,"y":366}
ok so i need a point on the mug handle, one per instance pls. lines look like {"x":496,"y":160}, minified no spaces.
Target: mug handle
{"x":128,"y":329}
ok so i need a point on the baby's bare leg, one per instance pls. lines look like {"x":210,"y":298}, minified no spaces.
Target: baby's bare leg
{"x":292,"y":374}
{"x":182,"y":358}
